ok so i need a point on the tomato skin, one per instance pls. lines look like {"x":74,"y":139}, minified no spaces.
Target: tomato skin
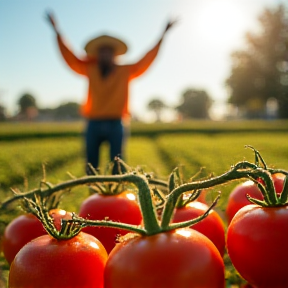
{"x":257,"y":245}
{"x":212,"y":226}
{"x":122,"y":208}
{"x":58,"y":215}
{"x":175,"y":259}
{"x":48,"y":263}
{"x":278,"y":180}
{"x":237,"y":198}
{"x":18,"y":232}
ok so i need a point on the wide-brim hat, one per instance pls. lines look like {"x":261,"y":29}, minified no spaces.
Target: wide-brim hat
{"x":105,"y":40}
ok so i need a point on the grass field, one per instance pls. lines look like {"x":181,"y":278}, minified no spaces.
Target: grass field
{"x":192,"y":146}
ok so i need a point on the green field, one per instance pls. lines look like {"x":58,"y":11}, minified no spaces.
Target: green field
{"x":54,"y":152}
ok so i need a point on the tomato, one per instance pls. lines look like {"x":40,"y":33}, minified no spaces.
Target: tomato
{"x":46,"y":262}
{"x":58,"y":215}
{"x":26,"y":227}
{"x":122,"y":207}
{"x":212,"y":226}
{"x":175,"y":259}
{"x":18,"y":232}
{"x":257,"y":245}
{"x":237,"y":198}
{"x":278,"y":181}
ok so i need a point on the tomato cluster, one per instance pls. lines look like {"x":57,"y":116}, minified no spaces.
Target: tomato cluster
{"x":168,"y":245}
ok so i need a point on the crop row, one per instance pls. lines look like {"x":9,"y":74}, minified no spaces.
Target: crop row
{"x":17,"y":131}
{"x":21,"y":161}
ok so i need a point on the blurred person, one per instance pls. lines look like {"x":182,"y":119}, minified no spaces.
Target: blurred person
{"x":106,"y":107}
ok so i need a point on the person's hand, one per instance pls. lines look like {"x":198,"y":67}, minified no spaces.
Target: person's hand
{"x":51,"y":19}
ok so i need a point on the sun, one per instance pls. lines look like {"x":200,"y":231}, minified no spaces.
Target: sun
{"x":221,"y":22}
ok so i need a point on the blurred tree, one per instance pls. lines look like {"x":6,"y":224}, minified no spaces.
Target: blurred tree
{"x":67,"y":111}
{"x":157,"y":106}
{"x":28,"y":107}
{"x":195,"y":104}
{"x":26,"y":101}
{"x":261,"y":71}
{"x":2,"y":113}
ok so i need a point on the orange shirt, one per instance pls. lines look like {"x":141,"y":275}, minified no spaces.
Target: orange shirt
{"x":107,"y":98}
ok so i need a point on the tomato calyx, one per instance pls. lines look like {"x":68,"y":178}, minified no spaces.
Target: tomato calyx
{"x":119,"y":167}
{"x":175,"y":180}
{"x":66,"y":229}
{"x":263,"y":178}
{"x":115,"y":167}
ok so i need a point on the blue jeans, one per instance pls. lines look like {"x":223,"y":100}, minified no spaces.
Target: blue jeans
{"x":99,"y":131}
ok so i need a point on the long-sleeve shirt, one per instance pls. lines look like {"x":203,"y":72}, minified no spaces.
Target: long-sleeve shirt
{"x":107,"y":97}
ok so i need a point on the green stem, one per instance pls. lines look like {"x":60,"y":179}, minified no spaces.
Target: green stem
{"x":157,"y":182}
{"x":284,"y":194}
{"x":151,"y":224}
{"x":268,"y":191}
{"x":189,"y":223}
{"x":172,"y":198}
{"x":107,"y":223}
{"x":256,"y":201}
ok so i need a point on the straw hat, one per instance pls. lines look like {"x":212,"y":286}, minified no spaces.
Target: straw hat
{"x":105,"y":40}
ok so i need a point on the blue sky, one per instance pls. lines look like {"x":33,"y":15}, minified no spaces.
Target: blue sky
{"x":194,"y":54}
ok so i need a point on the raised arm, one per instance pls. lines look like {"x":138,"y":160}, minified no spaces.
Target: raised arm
{"x":143,"y":64}
{"x":76,"y":64}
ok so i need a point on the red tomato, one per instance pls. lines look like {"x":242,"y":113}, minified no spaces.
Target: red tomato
{"x":26,"y":227}
{"x":237,"y":198}
{"x":58,"y":215}
{"x":278,"y":180}
{"x":122,"y":208}
{"x":18,"y":232}
{"x":257,"y":245}
{"x":212,"y":226}
{"x":175,"y":259}
{"x":49,"y":263}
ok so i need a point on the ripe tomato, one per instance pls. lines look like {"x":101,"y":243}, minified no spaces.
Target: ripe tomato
{"x":49,"y":263}
{"x":212,"y":226}
{"x":237,"y":198}
{"x":26,"y":227}
{"x":58,"y":215}
{"x":278,"y":181}
{"x":175,"y":259}
{"x":257,"y":245}
{"x":18,"y":232}
{"x":122,"y":208}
